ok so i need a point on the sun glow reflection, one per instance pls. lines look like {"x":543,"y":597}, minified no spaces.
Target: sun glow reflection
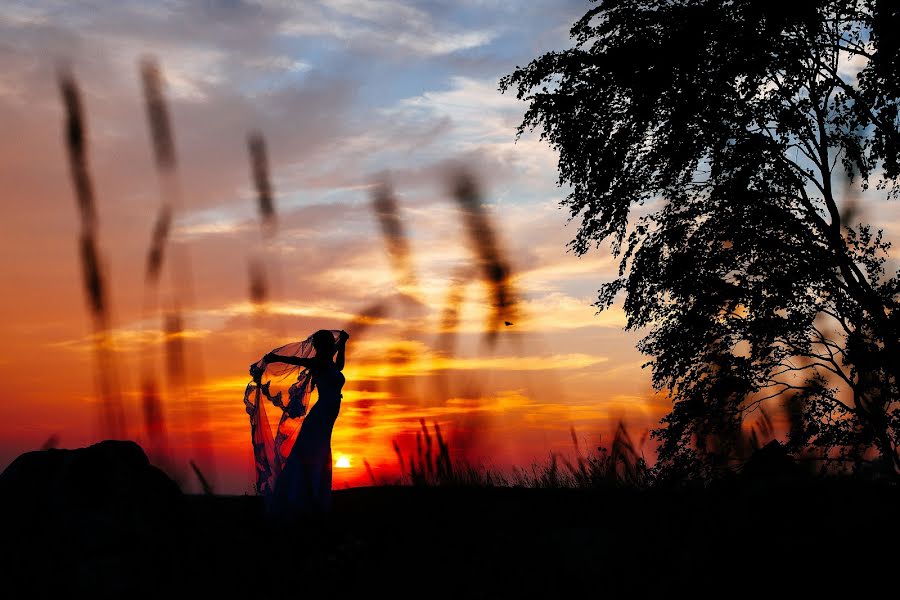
{"x":342,"y":462}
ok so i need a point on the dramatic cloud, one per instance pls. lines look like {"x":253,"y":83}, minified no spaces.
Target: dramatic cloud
{"x":343,"y":93}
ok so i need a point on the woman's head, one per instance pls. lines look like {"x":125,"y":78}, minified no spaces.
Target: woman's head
{"x":323,"y":342}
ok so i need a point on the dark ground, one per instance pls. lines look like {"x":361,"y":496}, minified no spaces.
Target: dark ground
{"x":753,"y":539}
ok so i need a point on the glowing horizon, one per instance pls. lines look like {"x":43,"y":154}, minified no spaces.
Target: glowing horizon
{"x":427,"y":103}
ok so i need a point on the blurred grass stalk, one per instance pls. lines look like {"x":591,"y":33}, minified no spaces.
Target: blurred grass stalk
{"x":494,"y":267}
{"x":387,"y":211}
{"x":259,"y":261}
{"x":184,"y":362}
{"x":112,"y":422}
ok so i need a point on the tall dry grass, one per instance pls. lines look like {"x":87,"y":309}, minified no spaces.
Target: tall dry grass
{"x":430,"y":464}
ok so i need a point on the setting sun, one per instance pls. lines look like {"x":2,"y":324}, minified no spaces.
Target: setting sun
{"x":342,"y":463}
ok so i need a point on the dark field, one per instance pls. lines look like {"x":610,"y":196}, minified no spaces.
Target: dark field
{"x":751,"y":539}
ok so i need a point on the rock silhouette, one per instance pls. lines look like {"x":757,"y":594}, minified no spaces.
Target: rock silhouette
{"x":100,"y":518}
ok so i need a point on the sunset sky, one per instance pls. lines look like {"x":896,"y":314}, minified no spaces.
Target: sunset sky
{"x":343,"y":92}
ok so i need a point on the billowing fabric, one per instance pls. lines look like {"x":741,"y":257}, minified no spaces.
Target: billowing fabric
{"x":293,"y":467}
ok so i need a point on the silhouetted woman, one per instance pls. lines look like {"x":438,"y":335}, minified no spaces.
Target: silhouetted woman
{"x":304,"y":484}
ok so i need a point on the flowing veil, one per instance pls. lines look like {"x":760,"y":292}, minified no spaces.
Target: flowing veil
{"x":271,"y":382}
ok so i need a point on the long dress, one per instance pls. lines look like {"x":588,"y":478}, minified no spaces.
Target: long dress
{"x":304,"y":485}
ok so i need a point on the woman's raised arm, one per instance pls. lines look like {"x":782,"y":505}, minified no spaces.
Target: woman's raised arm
{"x":341,"y":348}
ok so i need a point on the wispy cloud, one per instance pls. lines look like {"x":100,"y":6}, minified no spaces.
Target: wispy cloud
{"x":384,"y":25}
{"x":341,"y":91}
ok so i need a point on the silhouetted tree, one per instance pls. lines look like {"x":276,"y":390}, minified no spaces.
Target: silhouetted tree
{"x":703,"y":139}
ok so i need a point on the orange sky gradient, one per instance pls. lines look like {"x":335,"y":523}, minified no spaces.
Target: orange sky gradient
{"x":331,"y":132}
{"x":345,"y":95}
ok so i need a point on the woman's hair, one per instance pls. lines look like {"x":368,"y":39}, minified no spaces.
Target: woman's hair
{"x":323,"y":341}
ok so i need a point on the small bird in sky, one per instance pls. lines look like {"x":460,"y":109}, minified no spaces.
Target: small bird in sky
{"x":507,"y":323}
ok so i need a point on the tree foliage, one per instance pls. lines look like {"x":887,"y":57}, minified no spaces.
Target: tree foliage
{"x":712,"y":143}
